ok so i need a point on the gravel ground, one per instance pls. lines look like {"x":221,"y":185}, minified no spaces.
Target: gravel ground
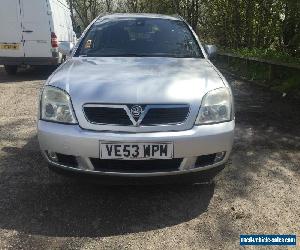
{"x":258,"y":192}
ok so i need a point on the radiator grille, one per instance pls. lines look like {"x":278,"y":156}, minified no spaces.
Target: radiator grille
{"x":106,"y":115}
{"x":165,"y":116}
{"x":153,"y":115}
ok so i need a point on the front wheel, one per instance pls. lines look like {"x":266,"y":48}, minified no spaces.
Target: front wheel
{"x":11,"y":69}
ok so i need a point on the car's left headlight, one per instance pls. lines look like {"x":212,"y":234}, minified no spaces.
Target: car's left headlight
{"x":56,"y":106}
{"x":216,"y":107}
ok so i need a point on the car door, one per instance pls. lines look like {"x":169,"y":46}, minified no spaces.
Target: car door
{"x":11,"y":44}
{"x":36,"y":28}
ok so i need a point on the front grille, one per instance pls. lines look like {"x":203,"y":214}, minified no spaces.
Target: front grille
{"x":155,"y":115}
{"x":136,"y":166}
{"x":107,"y":115}
{"x":165,"y":116}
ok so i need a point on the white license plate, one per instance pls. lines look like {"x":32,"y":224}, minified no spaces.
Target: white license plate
{"x":136,"y":151}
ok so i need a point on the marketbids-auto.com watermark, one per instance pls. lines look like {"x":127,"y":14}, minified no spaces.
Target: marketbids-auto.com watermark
{"x":267,"y":239}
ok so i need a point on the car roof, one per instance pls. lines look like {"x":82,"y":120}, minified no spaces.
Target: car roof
{"x":138,"y":15}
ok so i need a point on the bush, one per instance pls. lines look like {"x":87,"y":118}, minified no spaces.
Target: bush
{"x":267,"y":54}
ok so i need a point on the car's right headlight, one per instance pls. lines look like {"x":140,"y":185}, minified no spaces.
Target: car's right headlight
{"x":56,"y":106}
{"x":216,"y":107}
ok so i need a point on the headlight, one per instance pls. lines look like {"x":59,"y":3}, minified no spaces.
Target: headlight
{"x":56,"y":106}
{"x":216,"y":107}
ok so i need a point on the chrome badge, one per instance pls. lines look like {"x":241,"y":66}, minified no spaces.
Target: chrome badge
{"x":136,"y":111}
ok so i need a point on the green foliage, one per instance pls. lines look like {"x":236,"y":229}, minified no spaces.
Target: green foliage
{"x":290,"y":85}
{"x":268,"y":54}
{"x":266,"y":24}
{"x":268,"y":29}
{"x":279,"y":78}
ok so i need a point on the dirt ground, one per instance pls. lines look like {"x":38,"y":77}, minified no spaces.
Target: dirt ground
{"x":258,"y":192}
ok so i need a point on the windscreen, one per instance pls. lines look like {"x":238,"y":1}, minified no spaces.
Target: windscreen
{"x":151,"y":37}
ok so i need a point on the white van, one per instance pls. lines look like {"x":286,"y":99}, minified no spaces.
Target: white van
{"x":31,"y":32}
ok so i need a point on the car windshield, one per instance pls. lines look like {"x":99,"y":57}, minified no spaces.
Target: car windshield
{"x":139,"y":37}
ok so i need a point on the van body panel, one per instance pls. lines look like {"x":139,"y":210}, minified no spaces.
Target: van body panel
{"x":11,"y":28}
{"x":29,"y":23}
{"x":36,"y":28}
{"x":62,"y":23}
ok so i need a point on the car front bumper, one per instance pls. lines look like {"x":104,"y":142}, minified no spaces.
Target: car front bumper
{"x":188,"y":145}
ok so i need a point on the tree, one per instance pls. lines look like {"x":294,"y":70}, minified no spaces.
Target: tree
{"x":264,"y":24}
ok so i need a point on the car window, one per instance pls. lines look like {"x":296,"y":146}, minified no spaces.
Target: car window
{"x":139,"y":37}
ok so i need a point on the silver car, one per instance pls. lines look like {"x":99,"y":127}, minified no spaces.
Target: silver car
{"x":137,"y":98}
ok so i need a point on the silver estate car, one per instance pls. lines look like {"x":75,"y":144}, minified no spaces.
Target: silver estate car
{"x":137,"y":98}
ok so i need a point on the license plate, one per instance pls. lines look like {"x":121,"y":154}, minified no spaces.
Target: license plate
{"x":136,"y":151}
{"x":10,"y":46}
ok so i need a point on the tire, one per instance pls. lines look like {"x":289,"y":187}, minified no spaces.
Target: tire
{"x":11,"y":69}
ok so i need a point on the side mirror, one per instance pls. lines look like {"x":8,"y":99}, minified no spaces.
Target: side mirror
{"x":211,"y":50}
{"x":65,"y":48}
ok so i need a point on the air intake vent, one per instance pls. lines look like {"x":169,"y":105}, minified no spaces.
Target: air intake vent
{"x":136,"y":166}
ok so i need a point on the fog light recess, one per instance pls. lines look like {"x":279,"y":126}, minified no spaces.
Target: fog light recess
{"x":206,"y":160}
{"x":52,"y":156}
{"x":219,"y":156}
